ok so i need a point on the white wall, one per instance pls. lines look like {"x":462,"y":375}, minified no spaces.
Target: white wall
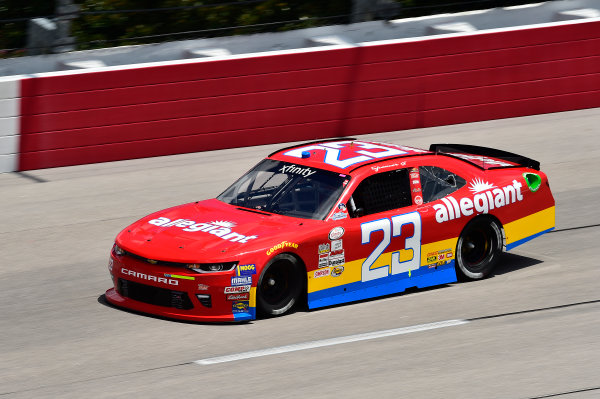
{"x":9,"y":123}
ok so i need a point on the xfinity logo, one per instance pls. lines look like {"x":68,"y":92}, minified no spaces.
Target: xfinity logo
{"x":149,"y":277}
{"x":297,"y":170}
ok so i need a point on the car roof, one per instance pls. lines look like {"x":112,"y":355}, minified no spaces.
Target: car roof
{"x":343,"y":155}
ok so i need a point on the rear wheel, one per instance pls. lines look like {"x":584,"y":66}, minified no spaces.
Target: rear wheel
{"x":279,"y":286}
{"x":478,"y":249}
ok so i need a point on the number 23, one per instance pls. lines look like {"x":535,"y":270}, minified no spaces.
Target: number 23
{"x":391,"y":228}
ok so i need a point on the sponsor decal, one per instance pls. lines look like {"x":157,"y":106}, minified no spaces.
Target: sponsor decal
{"x":323,"y":260}
{"x":415,"y":185}
{"x":337,"y":271}
{"x":246,"y":270}
{"x":281,"y":245}
{"x":110,"y":264}
{"x":336,"y":233}
{"x":431,"y":266}
{"x":443,"y":254}
{"x":238,"y":289}
{"x":337,"y":245}
{"x":220,"y":229}
{"x":238,"y":297}
{"x":337,"y":258}
{"x":485,"y":160}
{"x":342,"y":207}
{"x":240,"y":307}
{"x":339,"y":216}
{"x":202,"y":287}
{"x":324,"y":248}
{"x":179,"y":276}
{"x":486,"y":197}
{"x":149,"y":277}
{"x":378,"y":168}
{"x":241,"y":280}
{"x":297,"y":170}
{"x":321,"y":273}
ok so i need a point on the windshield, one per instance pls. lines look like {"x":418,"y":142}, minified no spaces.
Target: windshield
{"x":287,"y":189}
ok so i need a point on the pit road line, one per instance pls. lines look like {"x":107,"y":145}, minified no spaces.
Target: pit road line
{"x":371,"y":335}
{"x":329,"y":342}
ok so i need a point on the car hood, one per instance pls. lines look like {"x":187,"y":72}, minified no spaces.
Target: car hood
{"x":206,"y":231}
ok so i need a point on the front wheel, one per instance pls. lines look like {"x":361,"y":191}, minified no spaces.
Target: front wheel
{"x":279,"y":286}
{"x":478,"y":249}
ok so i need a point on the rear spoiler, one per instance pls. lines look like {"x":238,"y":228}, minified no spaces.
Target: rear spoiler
{"x":454,"y":150}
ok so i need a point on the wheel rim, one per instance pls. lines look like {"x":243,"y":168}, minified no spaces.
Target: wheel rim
{"x":275,"y":284}
{"x":477,"y":247}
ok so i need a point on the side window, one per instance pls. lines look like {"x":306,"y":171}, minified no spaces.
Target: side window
{"x":437,"y":183}
{"x":381,"y":192}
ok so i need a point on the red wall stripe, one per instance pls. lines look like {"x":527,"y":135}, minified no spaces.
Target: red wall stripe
{"x":69,"y":119}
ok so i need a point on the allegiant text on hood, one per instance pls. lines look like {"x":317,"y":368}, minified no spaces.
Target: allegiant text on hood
{"x":218,"y":228}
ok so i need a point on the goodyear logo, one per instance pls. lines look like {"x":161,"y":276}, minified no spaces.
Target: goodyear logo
{"x":246,"y":270}
{"x":240,"y":307}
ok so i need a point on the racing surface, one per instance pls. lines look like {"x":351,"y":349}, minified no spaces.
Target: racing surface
{"x":532,"y":330}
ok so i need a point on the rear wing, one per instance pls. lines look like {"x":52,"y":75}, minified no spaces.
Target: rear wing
{"x":484,"y":157}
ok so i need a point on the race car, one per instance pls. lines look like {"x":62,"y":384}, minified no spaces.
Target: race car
{"x":331,"y":222}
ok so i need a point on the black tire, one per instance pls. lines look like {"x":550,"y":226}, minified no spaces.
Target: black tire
{"x":478,"y":249}
{"x":279,"y":286}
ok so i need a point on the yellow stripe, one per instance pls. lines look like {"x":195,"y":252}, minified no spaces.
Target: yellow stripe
{"x":252,"y":297}
{"x":353,"y":270}
{"x":530,"y":225}
{"x":437,"y":246}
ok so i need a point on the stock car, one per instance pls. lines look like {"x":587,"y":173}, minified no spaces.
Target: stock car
{"x":331,"y":222}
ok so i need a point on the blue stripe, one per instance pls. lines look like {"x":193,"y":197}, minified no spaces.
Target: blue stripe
{"x":420,"y":278}
{"x":524,"y":240}
{"x":250,"y":315}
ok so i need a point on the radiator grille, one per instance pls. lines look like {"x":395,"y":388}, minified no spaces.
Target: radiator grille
{"x":154,"y":295}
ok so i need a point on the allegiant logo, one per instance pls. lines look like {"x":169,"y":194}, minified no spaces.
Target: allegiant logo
{"x":219,"y":228}
{"x":482,"y":202}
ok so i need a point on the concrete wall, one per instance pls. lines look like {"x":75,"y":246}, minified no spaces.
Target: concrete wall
{"x":9,"y":123}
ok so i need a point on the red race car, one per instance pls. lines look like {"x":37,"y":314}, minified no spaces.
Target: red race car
{"x":331,"y":222}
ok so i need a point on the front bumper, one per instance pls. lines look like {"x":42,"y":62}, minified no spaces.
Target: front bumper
{"x":173,"y":293}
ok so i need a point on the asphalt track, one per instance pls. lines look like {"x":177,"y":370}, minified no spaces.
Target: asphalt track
{"x":530,"y":331}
